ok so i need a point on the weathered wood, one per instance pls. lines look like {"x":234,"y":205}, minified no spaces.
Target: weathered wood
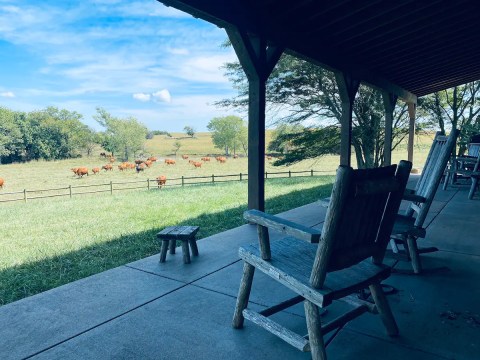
{"x":258,"y":60}
{"x":282,"y":225}
{"x":315,"y":336}
{"x":185,"y":234}
{"x":264,"y":241}
{"x":389,"y":101}
{"x":173,"y":245}
{"x":411,"y":130}
{"x":281,"y":306}
{"x":243,"y":295}
{"x":186,"y":252}
{"x":414,"y":254}
{"x":358,"y":223}
{"x":344,"y":318}
{"x":163,"y":250}
{"x":347,"y":87}
{"x":330,"y":226}
{"x":282,"y":332}
{"x":384,"y":309}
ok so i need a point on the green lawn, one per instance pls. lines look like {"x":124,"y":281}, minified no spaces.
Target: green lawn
{"x":50,"y":242}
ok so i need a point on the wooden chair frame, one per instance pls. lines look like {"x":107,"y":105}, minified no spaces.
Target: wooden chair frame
{"x":331,"y":264}
{"x":465,"y":166}
{"x":410,"y":226}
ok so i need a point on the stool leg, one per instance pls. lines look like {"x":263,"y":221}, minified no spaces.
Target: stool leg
{"x":186,"y":252}
{"x":193,"y":246}
{"x":163,"y":251}
{"x":173,"y":244}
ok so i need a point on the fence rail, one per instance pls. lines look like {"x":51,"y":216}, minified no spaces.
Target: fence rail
{"x":149,"y":184}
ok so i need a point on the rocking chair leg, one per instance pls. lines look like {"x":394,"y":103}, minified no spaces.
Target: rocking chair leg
{"x":414,"y":255}
{"x":315,"y":337}
{"x":473,"y":188}
{"x":243,"y":295}
{"x":384,"y":309}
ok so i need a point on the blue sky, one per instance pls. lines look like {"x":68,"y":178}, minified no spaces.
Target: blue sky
{"x":133,"y":58}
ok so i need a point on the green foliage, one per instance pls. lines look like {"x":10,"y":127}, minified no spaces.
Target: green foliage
{"x":281,"y":143}
{"x":176,"y":146}
{"x":228,"y":132}
{"x":160,"y":132}
{"x":190,"y":131}
{"x":299,"y":92}
{"x":309,"y":143}
{"x":49,"y":134}
{"x":458,"y":107}
{"x":121,"y":136}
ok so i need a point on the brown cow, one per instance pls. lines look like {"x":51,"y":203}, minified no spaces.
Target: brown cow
{"x":161,"y":180}
{"x":205,"y":158}
{"x":112,"y":159}
{"x":197,"y":164}
{"x":1,"y":183}
{"x":107,"y":167}
{"x":95,"y":170}
{"x":184,"y":157}
{"x":82,"y":171}
{"x":149,"y":163}
{"x":169,"y":161}
{"x":74,"y":170}
{"x":152,"y":159}
{"x":221,"y":159}
{"x":235,"y":156}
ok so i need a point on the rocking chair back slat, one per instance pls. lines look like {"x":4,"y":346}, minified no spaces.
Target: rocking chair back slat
{"x":432,"y":174}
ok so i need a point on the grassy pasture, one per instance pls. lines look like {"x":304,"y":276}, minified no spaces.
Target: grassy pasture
{"x":55,"y":174}
{"x":50,"y":242}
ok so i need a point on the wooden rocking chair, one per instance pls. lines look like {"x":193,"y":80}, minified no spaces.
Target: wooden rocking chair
{"x":332,"y":264}
{"x":409,"y":227}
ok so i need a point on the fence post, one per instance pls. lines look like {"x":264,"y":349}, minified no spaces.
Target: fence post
{"x":183,"y":181}
{"x":266,"y":175}
{"x":111,"y":187}
{"x":240,"y":176}
{"x":70,"y":190}
{"x":148,"y":184}
{"x":311,"y":172}
{"x":25,"y":195}
{"x":213,"y":178}
{"x":289,"y":173}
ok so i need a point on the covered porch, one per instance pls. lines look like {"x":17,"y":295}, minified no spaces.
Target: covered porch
{"x":148,"y":310}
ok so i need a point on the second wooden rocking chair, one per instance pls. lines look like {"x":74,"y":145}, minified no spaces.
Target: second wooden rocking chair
{"x":330,"y":265}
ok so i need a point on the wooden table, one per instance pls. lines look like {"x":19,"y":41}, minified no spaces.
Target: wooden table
{"x":186,"y":234}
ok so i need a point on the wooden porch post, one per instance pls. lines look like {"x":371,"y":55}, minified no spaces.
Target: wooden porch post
{"x":258,"y":60}
{"x":389,"y":101}
{"x":411,"y":130}
{"x":348,"y":88}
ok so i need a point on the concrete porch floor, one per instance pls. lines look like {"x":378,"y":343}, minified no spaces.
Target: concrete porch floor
{"x":148,"y":310}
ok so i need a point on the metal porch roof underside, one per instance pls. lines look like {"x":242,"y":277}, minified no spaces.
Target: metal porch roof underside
{"x":405,"y":47}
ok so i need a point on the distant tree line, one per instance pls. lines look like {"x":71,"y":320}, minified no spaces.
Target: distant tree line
{"x":54,"y":134}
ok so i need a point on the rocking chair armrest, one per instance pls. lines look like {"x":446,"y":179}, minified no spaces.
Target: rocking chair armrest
{"x":282,"y":225}
{"x":410,"y":195}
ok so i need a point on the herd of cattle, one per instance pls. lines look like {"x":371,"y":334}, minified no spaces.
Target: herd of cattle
{"x":139,"y":165}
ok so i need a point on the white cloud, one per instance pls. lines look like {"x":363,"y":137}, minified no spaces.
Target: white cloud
{"x":162,"y":96}
{"x":142,"y":97}
{"x":178,"y":51}
{"x":7,"y":94}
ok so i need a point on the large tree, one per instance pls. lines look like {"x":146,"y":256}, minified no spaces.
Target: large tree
{"x":299,"y":92}
{"x":458,"y":107}
{"x":11,"y":140}
{"x":228,"y":133}
{"x":124,"y":137}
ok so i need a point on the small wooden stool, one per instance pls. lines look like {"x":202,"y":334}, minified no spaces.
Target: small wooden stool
{"x":173,"y":233}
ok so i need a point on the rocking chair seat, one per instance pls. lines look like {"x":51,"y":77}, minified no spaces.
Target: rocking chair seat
{"x":286,"y":269}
